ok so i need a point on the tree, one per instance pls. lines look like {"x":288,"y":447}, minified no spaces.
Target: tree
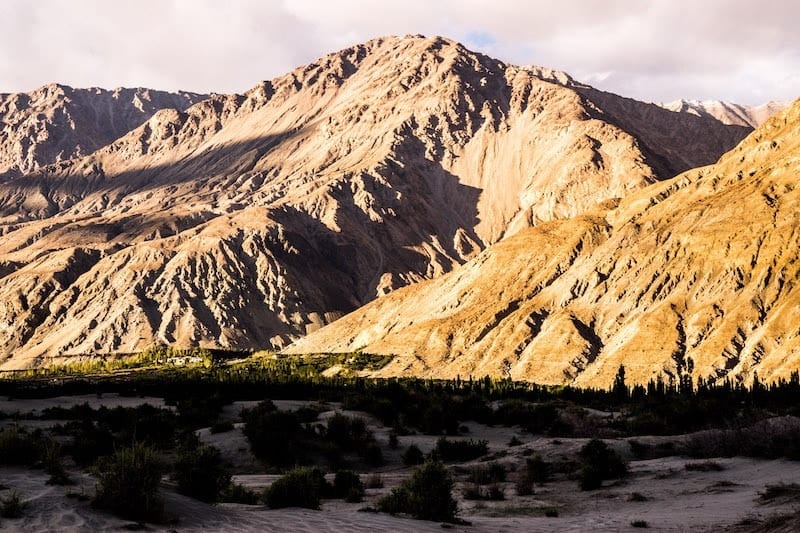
{"x":620,"y":389}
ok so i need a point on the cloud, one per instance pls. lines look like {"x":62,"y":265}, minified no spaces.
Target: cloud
{"x":655,"y":50}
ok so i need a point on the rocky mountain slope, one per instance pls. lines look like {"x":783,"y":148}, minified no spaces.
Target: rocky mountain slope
{"x":701,"y":268}
{"x":251,"y":220}
{"x":728,"y":113}
{"x":55,"y":122}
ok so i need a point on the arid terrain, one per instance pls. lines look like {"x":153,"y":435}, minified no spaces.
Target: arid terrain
{"x":405,"y":286}
{"x":247,"y":221}
{"x":667,"y":493}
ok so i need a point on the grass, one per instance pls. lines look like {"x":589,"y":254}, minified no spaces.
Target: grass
{"x":780,"y":491}
{"x":12,"y":506}
{"x":499,"y":511}
{"x":705,"y":466}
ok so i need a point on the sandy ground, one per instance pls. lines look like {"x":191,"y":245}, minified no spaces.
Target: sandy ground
{"x":36,"y":405}
{"x":677,"y":499}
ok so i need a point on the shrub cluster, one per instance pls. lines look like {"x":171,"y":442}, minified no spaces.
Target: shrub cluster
{"x":300,"y":487}
{"x":200,"y":474}
{"x":128,"y":483}
{"x":426,"y":495}
{"x":459,"y":450}
{"x":598,"y":463}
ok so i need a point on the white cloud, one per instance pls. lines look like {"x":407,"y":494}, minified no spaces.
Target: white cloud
{"x":655,"y":50}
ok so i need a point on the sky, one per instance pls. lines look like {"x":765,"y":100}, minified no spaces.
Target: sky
{"x":742,"y":51}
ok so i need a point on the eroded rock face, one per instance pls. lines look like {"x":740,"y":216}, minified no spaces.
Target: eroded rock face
{"x":704,"y":266}
{"x":56,"y":123}
{"x":250,"y":220}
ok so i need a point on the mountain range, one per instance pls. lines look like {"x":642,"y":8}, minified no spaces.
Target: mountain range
{"x":543,"y":227}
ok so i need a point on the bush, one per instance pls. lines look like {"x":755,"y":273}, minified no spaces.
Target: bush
{"x":272,"y":434}
{"x":12,"y":506}
{"x":129,"y":481}
{"x":17,"y":447}
{"x":537,"y":470}
{"x":486,"y":474}
{"x":301,"y":487}
{"x":90,"y":442}
{"x":347,"y":485}
{"x":705,"y":466}
{"x":785,"y":491}
{"x":535,"y":418}
{"x":427,"y":495}
{"x":54,"y":465}
{"x":459,"y":450}
{"x":348,"y":432}
{"x":413,"y":456}
{"x":476,"y":492}
{"x":599,"y":463}
{"x":373,"y":455}
{"x":200,"y":474}
{"x":236,"y":493}
{"x":639,"y":523}
{"x":374,"y":481}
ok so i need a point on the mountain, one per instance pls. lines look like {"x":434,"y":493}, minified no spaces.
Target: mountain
{"x":55,"y":122}
{"x":248,"y":221}
{"x":702,"y":267}
{"x":728,"y":113}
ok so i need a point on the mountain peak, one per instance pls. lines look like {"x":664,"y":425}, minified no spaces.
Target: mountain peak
{"x":247,"y":221}
{"x":727,"y":112}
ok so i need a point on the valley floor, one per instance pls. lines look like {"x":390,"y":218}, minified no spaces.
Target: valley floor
{"x":718,"y":495}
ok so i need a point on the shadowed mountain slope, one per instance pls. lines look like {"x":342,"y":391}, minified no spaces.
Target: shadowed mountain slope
{"x":705,"y":266}
{"x":250,"y":220}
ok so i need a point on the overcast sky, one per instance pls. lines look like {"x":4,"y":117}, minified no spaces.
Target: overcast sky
{"x":658,"y":50}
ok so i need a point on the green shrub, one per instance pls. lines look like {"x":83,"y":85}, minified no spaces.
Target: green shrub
{"x":273,"y":435}
{"x":12,"y":506}
{"x":236,"y":493}
{"x":459,"y":450}
{"x":200,"y":474}
{"x":54,"y":465}
{"x":786,"y":491}
{"x":129,"y":481}
{"x":599,"y":463}
{"x":413,"y":456}
{"x":17,"y":447}
{"x":493,"y":492}
{"x":427,"y":495}
{"x":373,"y":455}
{"x":705,"y":466}
{"x":347,"y":485}
{"x":374,"y":481}
{"x":301,"y":487}
{"x":486,"y":474}
{"x":90,"y":442}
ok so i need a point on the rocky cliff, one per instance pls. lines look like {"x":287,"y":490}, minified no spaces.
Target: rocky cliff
{"x":698,"y":272}
{"x":251,"y":220}
{"x":55,"y":122}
